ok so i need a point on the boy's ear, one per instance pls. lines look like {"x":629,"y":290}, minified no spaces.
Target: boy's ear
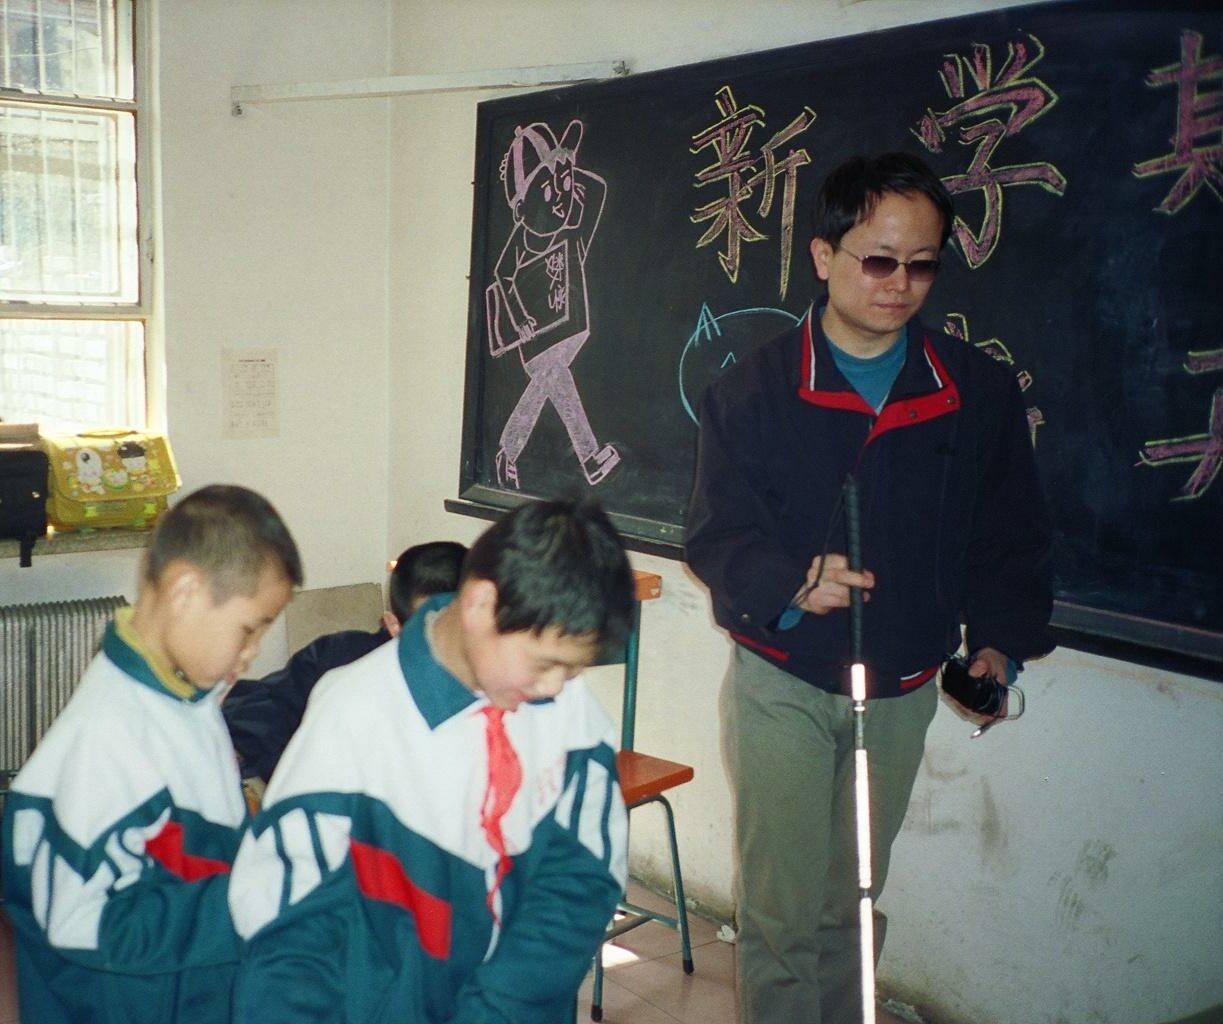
{"x":181,"y":582}
{"x":392,"y":624}
{"x":478,"y":604}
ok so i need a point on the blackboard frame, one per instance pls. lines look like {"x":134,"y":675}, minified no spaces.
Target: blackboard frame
{"x":1132,"y":635}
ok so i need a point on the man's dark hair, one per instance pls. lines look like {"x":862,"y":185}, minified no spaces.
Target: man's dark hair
{"x":423,"y":570}
{"x":852,"y":190}
{"x":557,"y":563}
{"x":229,"y":532}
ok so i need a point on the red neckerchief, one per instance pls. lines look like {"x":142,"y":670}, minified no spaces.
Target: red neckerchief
{"x":504,"y":781}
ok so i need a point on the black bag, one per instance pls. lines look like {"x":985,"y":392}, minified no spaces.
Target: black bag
{"x":23,"y":497}
{"x":983,"y":695}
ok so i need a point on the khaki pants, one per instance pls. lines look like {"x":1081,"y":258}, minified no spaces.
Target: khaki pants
{"x":789,"y":749}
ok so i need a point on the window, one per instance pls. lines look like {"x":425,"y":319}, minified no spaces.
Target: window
{"x":73,"y":313}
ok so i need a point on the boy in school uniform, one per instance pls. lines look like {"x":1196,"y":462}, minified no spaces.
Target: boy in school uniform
{"x":120,"y":829}
{"x":444,"y":839}
{"x":262,"y":714}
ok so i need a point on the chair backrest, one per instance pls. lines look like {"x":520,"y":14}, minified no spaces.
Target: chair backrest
{"x":648,"y":586}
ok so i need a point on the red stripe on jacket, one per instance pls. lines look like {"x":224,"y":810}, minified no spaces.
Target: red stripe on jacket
{"x":773,"y":652}
{"x":912,"y":682}
{"x":167,"y":849}
{"x":381,"y":877}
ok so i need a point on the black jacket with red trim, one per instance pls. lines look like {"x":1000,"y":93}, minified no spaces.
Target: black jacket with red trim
{"x":953,"y":522}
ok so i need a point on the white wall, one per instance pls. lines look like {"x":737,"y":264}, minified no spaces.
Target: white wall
{"x":275,"y":236}
{"x":1066,"y":867}
{"x":1093,"y":896}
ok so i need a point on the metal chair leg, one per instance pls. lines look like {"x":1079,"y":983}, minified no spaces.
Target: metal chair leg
{"x":596,"y":994}
{"x":677,"y":880}
{"x":639,"y":915}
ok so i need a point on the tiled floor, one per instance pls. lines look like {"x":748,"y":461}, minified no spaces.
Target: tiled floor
{"x":644,"y":982}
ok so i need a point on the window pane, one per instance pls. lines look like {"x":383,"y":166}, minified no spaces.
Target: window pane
{"x":68,"y":219}
{"x":72,"y":375}
{"x":71,"y":47}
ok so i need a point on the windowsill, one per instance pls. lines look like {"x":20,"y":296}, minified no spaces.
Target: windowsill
{"x":111,"y":539}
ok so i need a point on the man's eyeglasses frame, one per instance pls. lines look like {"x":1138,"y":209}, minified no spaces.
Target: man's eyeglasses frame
{"x":920,"y":271}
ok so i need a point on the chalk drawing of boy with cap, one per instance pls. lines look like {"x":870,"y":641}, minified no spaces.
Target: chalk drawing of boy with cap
{"x":537,"y":304}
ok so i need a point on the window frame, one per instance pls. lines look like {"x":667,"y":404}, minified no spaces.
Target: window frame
{"x":144,"y":309}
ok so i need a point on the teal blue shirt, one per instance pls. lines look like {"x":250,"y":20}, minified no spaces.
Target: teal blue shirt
{"x":873,"y":376}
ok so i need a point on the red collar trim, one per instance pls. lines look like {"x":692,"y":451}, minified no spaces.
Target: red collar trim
{"x":848,"y":400}
{"x":905,"y":412}
{"x":908,"y":412}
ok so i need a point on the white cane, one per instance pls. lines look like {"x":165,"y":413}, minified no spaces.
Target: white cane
{"x":862,"y":789}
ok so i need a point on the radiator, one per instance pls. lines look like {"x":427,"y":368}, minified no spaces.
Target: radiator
{"x":44,"y":649}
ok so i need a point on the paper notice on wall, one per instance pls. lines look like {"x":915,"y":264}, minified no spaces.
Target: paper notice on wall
{"x":249,"y":393}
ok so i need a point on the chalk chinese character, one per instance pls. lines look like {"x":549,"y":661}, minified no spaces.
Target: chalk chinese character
{"x":556,"y":282}
{"x":1197,"y":145}
{"x":991,"y":107}
{"x":743,"y":175}
{"x":956,"y":325}
{"x":1204,"y":449}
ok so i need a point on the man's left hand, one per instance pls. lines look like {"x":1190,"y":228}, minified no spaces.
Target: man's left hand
{"x":989,"y":661}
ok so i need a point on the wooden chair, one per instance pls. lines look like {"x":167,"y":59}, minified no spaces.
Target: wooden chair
{"x":643,"y":780}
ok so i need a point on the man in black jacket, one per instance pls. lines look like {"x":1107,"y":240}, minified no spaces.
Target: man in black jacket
{"x":953,"y":529}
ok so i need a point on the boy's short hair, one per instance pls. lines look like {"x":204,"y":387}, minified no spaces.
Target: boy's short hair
{"x":852,"y":190}
{"x":557,"y":563}
{"x":230,"y":533}
{"x":423,"y":570}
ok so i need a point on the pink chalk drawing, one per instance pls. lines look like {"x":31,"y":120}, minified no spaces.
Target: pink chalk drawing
{"x":743,"y":174}
{"x":537,"y":304}
{"x":1197,"y":143}
{"x":956,"y":325}
{"x":1204,"y":449}
{"x":991,"y":107}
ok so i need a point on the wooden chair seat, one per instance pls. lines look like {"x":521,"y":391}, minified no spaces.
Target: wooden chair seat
{"x":643,"y":776}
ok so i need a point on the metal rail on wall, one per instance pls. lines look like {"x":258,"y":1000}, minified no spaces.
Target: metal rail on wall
{"x":402,"y":85}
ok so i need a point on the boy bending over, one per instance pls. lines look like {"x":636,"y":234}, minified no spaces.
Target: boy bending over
{"x":120,"y":829}
{"x":263,"y":713}
{"x":444,"y":839}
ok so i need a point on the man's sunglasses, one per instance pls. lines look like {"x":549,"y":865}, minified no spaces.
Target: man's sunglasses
{"x":920,"y":271}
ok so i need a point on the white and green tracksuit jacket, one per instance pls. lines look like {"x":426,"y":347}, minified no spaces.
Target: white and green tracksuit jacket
{"x":119,"y":833}
{"x":394,"y":875}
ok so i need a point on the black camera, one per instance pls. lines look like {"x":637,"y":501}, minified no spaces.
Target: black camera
{"x":982,"y":695}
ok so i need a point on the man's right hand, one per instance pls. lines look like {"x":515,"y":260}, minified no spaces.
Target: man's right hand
{"x":835,"y":582}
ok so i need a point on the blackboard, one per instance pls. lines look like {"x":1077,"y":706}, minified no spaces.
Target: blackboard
{"x":1082,"y":145}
